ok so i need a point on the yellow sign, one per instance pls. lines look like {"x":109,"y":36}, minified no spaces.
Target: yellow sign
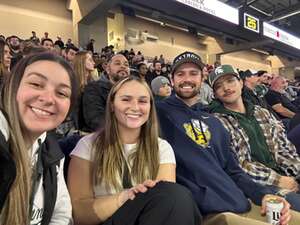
{"x":251,"y":23}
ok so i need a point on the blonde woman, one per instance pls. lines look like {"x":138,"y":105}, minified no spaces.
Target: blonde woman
{"x":125,"y":174}
{"x":35,"y":99}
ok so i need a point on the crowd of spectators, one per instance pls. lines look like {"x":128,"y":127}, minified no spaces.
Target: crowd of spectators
{"x":238,"y":128}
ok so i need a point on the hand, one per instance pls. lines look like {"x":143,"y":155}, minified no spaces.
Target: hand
{"x":288,"y":183}
{"x":285,"y":212}
{"x":130,"y":193}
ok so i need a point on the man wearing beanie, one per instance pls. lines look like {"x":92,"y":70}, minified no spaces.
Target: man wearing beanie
{"x":161,"y":88}
{"x":205,"y":162}
{"x":257,"y":138}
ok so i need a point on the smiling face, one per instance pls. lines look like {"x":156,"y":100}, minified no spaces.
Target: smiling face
{"x":43,"y":97}
{"x":117,"y":68}
{"x":228,"y":89}
{"x":89,"y":62}
{"x":187,"y":82}
{"x":131,"y":106}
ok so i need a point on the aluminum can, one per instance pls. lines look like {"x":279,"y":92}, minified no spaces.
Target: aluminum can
{"x":274,"y":207}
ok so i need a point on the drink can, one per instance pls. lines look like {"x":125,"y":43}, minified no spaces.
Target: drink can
{"x":274,"y":207}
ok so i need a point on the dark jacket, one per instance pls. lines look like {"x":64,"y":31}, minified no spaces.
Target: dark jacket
{"x":51,"y":156}
{"x":205,"y":162}
{"x":94,"y":103}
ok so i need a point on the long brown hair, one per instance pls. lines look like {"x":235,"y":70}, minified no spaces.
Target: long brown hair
{"x":80,"y":69}
{"x":16,"y":206}
{"x":3,"y":70}
{"x":109,"y":160}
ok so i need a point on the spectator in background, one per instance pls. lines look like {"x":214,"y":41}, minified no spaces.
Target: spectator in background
{"x":284,"y":108}
{"x":251,"y":80}
{"x":34,"y":38}
{"x":263,"y":83}
{"x":206,"y":94}
{"x":157,"y":72}
{"x":2,"y":37}
{"x":69,"y":42}
{"x":127,"y":173}
{"x":142,"y":70}
{"x":59,"y":42}
{"x":161,"y":88}
{"x":46,"y":36}
{"x":161,"y":59}
{"x":15,"y":51}
{"x":5,"y":61}
{"x":83,"y":65}
{"x":71,"y":51}
{"x":95,"y":93}
{"x":47,"y":43}
{"x":90,"y":46}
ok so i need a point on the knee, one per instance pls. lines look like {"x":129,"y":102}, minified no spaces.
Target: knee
{"x":174,"y":192}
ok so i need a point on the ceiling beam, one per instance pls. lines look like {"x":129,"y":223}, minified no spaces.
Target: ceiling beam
{"x":291,"y":11}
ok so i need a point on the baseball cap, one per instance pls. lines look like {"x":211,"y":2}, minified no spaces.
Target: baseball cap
{"x":157,"y":83}
{"x":248,"y":73}
{"x":221,"y":71}
{"x":187,"y":57}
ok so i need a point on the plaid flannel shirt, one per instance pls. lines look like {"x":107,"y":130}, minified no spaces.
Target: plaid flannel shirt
{"x":283,"y":151}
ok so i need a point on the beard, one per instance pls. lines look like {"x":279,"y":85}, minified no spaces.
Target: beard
{"x":117,"y":76}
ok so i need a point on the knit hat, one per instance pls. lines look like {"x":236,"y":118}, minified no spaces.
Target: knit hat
{"x":186,"y":57}
{"x":157,"y":83}
{"x":220,"y":72}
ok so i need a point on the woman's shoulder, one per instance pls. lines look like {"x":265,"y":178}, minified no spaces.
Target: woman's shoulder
{"x":166,"y":152}
{"x":84,"y":147}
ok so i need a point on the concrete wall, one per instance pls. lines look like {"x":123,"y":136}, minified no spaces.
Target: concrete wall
{"x":21,"y":17}
{"x":170,"y":43}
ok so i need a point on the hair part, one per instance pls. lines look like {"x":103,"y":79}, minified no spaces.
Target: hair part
{"x":108,"y":148}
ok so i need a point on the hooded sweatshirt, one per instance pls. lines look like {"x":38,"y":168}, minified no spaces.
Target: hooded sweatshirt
{"x":259,"y":149}
{"x":205,"y":162}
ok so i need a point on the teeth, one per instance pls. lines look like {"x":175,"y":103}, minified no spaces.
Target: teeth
{"x":40,"y":112}
{"x":133,"y":115}
{"x":186,"y":87}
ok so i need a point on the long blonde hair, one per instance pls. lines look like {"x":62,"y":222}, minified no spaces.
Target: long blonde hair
{"x":108,"y":159}
{"x":80,"y":69}
{"x":16,"y":207}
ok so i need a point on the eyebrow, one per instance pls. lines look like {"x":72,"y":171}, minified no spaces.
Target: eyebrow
{"x":45,"y":78}
{"x":130,"y":96}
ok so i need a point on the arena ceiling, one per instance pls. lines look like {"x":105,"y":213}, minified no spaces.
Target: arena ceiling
{"x":284,"y":14}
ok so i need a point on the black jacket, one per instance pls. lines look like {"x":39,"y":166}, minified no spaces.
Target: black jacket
{"x":51,"y":156}
{"x":94,"y":102}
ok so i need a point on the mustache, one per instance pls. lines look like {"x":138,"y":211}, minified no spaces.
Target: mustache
{"x":122,"y":71}
{"x":187,"y":83}
{"x":228,"y":93}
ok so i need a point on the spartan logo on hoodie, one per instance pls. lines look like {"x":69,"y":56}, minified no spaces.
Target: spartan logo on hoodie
{"x":198,"y":131}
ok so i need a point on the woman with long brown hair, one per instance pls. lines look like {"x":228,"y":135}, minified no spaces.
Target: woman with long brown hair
{"x":83,"y":66}
{"x":5,"y":60}
{"x":35,"y":99}
{"x":125,"y":174}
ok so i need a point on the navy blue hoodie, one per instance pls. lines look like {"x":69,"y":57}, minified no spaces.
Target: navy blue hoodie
{"x":205,"y":162}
